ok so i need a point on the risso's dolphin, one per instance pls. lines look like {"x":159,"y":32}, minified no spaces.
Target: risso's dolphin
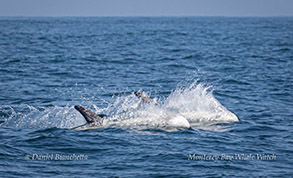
{"x":94,"y":120}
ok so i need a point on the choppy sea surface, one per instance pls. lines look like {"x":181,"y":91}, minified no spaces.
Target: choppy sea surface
{"x":230,"y":78}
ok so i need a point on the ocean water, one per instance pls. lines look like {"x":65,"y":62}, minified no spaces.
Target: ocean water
{"x":230,"y":79}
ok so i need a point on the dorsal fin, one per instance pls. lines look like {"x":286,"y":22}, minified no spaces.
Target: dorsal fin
{"x":145,"y":98}
{"x":90,"y":116}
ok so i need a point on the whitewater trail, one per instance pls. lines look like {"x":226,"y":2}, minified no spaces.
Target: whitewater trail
{"x":192,"y":106}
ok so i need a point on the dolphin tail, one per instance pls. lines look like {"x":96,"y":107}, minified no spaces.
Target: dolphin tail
{"x":90,"y":116}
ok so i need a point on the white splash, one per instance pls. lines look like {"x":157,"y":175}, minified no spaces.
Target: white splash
{"x":194,"y":106}
{"x":183,"y":108}
{"x":197,"y":104}
{"x":60,"y":117}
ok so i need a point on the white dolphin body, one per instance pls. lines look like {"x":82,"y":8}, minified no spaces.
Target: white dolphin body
{"x":95,"y":121}
{"x":179,"y":122}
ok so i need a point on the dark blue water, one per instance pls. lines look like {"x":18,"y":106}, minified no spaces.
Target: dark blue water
{"x":230,"y":78}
